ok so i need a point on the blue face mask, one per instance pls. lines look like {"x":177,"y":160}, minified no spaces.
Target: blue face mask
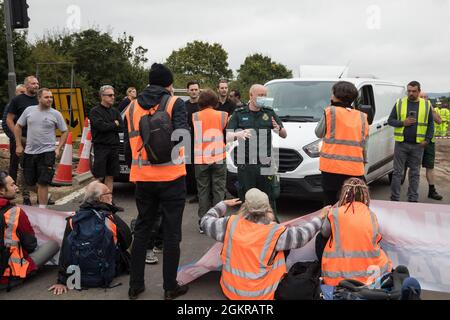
{"x":264,"y":102}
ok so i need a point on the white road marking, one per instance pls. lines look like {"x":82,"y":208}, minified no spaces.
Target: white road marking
{"x":70,"y":197}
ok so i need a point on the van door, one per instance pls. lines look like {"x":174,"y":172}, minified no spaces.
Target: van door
{"x":366,"y":97}
{"x":386,"y":96}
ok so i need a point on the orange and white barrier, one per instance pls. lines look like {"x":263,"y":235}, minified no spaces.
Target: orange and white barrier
{"x":63,"y":176}
{"x":84,"y":165}
{"x":86,"y":129}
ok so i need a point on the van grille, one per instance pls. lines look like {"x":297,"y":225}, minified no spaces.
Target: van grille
{"x":289,"y":159}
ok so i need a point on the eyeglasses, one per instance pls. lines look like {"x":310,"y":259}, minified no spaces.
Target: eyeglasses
{"x":109,"y":95}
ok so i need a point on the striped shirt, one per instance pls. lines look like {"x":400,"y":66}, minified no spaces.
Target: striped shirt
{"x":215,"y":226}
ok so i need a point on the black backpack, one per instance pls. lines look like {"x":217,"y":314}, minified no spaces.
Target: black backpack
{"x":5,"y":251}
{"x":391,"y":288}
{"x":156,"y":131}
{"x":302,"y":282}
{"x":90,"y":245}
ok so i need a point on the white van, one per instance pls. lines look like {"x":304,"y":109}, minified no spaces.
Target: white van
{"x":300,"y":104}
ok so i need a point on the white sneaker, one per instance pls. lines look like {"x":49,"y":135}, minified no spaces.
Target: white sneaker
{"x":151,"y":258}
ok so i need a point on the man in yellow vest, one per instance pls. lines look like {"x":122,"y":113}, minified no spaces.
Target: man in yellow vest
{"x":209,"y":152}
{"x":345,"y":133}
{"x":429,"y":155}
{"x":438,"y":127}
{"x":445,"y":115}
{"x":253,"y":245}
{"x":157,"y":183}
{"x":412,"y":119}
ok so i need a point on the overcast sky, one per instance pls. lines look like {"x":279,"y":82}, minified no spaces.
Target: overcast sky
{"x":398,"y":40}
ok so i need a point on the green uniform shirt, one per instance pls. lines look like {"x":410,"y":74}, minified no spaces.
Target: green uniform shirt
{"x":261,"y":123}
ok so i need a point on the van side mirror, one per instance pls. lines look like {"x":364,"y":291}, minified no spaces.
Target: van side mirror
{"x":369,"y":110}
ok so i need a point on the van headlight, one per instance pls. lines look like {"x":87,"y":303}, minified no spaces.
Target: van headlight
{"x":313,"y":149}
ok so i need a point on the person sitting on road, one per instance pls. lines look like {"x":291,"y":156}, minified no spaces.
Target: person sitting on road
{"x":253,"y":253}
{"x":17,"y":239}
{"x":353,"y":249}
{"x":98,"y":202}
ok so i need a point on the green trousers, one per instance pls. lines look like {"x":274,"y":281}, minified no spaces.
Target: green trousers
{"x":211,"y":184}
{"x":249,"y":176}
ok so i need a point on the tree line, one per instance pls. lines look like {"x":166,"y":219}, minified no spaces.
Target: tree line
{"x":98,"y":59}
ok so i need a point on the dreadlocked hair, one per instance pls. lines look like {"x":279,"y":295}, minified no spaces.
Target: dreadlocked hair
{"x":354,"y":190}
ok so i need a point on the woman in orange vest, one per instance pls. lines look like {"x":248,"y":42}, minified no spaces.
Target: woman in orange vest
{"x":344,"y":131}
{"x":18,"y":239}
{"x":353,"y":249}
{"x":209,"y":152}
{"x":253,"y":252}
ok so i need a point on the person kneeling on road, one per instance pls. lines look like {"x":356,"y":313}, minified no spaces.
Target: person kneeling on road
{"x":17,"y":240}
{"x":108,"y":256}
{"x":253,"y":253}
{"x":353,"y":249}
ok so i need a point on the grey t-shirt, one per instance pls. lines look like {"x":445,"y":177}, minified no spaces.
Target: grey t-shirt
{"x":41,"y":126}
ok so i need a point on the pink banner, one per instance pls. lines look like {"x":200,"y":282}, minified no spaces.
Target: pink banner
{"x":416,"y":235}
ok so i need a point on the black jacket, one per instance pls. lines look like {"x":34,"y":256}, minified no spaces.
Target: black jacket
{"x":147,"y":99}
{"x":123,"y":104}
{"x":124,"y":236}
{"x":104,"y":129}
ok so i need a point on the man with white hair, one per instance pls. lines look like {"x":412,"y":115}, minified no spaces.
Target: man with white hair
{"x":252,"y":125}
{"x":97,"y":199}
{"x":253,"y":253}
{"x":106,"y":123}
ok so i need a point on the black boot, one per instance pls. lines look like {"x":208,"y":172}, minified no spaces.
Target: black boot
{"x":432,"y":193}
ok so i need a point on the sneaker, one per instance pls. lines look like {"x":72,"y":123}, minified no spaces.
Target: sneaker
{"x":434,"y":195}
{"x":151,"y":258}
{"x":26,"y":202}
{"x":50,"y":201}
{"x":133,"y":293}
{"x":173,"y":294}
{"x":157,"y":249}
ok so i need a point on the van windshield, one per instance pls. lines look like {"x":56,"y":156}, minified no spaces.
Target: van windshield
{"x":300,"y":101}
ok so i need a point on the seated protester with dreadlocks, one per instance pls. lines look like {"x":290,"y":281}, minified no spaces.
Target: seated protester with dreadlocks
{"x":20,"y":256}
{"x":350,"y":239}
{"x":253,"y":253}
{"x":96,"y":216}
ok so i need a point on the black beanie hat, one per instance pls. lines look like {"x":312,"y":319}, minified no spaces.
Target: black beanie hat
{"x":160,"y":75}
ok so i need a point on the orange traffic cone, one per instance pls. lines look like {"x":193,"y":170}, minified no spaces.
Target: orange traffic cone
{"x":84,"y":165}
{"x":63,"y":175}
{"x":86,"y":129}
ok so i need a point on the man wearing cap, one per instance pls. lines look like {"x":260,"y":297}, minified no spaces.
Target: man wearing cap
{"x":156,"y":184}
{"x":253,"y":252}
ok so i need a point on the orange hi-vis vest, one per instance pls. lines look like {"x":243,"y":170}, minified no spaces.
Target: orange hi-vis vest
{"x":353,"y":250}
{"x":209,"y":145}
{"x":342,"y":150}
{"x":141,"y":168}
{"x":252,"y":269}
{"x":109,"y":223}
{"x":17,"y":263}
